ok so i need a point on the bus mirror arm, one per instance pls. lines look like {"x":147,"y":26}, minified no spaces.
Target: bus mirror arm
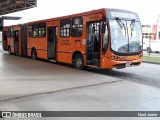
{"x":104,"y":19}
{"x":103,"y":28}
{"x":104,"y":24}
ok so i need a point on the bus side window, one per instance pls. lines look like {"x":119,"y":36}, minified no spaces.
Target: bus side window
{"x":42,"y":30}
{"x":65,"y":28}
{"x":77,"y":27}
{"x":30,"y":31}
{"x":105,"y":41}
{"x":10,"y":32}
{"x":35,"y":30}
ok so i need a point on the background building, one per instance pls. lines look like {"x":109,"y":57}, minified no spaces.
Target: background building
{"x":149,"y":32}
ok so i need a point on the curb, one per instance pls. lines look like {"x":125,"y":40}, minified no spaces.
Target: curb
{"x":151,"y":62}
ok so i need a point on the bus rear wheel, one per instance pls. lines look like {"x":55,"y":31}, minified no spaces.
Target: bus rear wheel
{"x":79,"y":62}
{"x":34,"y":54}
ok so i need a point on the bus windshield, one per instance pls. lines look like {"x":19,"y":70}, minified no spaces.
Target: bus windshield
{"x":126,"y":36}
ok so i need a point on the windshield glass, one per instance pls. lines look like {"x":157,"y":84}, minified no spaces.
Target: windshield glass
{"x":126,"y":36}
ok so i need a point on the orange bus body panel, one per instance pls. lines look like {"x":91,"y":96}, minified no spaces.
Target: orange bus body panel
{"x":10,"y":40}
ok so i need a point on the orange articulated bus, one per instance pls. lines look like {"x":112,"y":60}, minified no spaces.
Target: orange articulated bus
{"x":104,"y":38}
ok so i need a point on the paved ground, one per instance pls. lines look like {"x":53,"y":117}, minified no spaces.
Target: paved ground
{"x":147,"y":74}
{"x":26,"y":84}
{"x":25,"y":76}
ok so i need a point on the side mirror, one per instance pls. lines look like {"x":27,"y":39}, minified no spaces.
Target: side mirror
{"x":104,"y":19}
{"x":103,"y":28}
{"x":1,"y":24}
{"x":93,"y":30}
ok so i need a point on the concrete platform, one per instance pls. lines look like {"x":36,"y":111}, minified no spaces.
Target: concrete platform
{"x":22,"y":76}
{"x":30,"y":85}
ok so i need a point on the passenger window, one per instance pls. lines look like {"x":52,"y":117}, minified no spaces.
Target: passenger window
{"x":42,"y":30}
{"x":77,"y":27}
{"x":105,"y":41}
{"x":30,"y":30}
{"x":35,"y":30}
{"x":10,"y":32}
{"x":65,"y":28}
{"x":4,"y":35}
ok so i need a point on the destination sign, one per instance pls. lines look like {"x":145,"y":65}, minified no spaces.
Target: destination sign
{"x":122,"y":14}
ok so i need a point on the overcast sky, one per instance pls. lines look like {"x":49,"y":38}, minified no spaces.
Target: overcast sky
{"x":148,"y":10}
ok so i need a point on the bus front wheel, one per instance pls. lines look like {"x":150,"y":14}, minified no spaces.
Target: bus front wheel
{"x":34,"y":54}
{"x":79,"y":62}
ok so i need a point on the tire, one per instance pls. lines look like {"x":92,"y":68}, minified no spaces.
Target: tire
{"x":34,"y":54}
{"x":149,"y":50}
{"x":79,"y":62}
{"x":9,"y":50}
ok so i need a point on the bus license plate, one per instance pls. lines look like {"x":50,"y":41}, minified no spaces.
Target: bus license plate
{"x":128,"y":64}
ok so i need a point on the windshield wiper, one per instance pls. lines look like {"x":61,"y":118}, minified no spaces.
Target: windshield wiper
{"x":132,"y":25}
{"x":122,"y":25}
{"x":119,"y":22}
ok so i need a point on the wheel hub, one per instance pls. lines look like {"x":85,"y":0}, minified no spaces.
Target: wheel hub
{"x":79,"y":63}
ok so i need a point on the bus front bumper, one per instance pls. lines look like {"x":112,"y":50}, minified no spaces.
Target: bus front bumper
{"x":108,"y":63}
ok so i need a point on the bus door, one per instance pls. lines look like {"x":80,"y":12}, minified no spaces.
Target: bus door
{"x":93,"y":43}
{"x":52,"y":38}
{"x":16,"y":41}
{"x":5,"y":40}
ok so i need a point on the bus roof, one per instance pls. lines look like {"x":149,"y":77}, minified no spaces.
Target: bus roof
{"x":122,"y":14}
{"x":110,"y":13}
{"x":103,"y":11}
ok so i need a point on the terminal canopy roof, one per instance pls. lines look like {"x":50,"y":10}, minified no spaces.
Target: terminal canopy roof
{"x":10,"y":6}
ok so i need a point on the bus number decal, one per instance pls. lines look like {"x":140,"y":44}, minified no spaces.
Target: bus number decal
{"x":119,"y":57}
{"x":65,"y":42}
{"x":94,"y":17}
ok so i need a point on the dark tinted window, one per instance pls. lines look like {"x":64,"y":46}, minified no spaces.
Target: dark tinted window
{"x":77,"y":27}
{"x":4,"y":35}
{"x":65,"y":28}
{"x":42,"y":30}
{"x":30,"y":30}
{"x":10,"y":32}
{"x":35,"y":30}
